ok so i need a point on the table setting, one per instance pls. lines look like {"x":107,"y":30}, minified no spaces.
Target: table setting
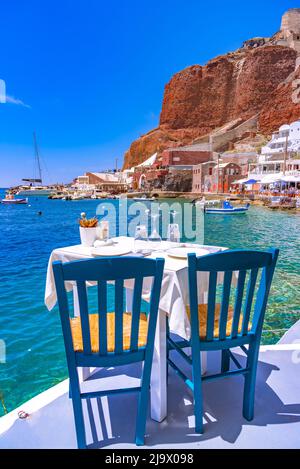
{"x":174,"y":291}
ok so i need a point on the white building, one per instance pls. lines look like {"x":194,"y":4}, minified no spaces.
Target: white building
{"x":280,"y":158}
{"x":287,"y":138}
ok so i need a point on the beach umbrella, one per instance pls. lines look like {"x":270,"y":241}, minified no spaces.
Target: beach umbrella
{"x":251,"y":182}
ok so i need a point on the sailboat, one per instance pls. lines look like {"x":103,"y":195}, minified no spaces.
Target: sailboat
{"x":35,"y":187}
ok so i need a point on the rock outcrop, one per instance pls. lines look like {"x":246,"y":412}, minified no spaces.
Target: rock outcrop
{"x":284,"y":106}
{"x":239,"y":85}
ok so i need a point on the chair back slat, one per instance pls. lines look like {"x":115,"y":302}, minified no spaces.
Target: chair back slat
{"x":135,"y":313}
{"x":211,"y":305}
{"x":102,"y":312}
{"x":119,"y":313}
{"x":84,"y":316}
{"x":238,"y":303}
{"x":249,"y":300}
{"x":225,"y":305}
{"x":154,"y":305}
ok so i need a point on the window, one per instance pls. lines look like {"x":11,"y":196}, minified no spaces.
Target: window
{"x":210,"y":172}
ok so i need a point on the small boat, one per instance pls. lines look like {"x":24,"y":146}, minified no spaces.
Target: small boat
{"x":206,"y":203}
{"x":143,"y":198}
{"x":10,"y":199}
{"x":227,"y":209}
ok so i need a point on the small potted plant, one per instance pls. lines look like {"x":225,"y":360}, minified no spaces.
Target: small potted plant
{"x":88,"y":230}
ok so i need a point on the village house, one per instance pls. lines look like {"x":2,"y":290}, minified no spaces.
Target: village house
{"x":212,"y":176}
{"x":186,"y":155}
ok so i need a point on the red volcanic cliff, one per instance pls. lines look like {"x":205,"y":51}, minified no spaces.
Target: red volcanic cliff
{"x":284,"y":106}
{"x":238,"y":85}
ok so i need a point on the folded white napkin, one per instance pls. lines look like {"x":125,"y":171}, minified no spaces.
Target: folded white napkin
{"x":99,"y":243}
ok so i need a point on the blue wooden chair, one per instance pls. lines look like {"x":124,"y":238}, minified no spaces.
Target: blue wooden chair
{"x":109,"y":339}
{"x":221,"y":327}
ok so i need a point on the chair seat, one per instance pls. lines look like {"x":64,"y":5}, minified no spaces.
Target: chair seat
{"x":202,"y":316}
{"x":94,"y":332}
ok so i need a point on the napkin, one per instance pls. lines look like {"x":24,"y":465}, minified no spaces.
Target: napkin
{"x":99,"y":243}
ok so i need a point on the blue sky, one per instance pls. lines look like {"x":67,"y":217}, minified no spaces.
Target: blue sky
{"x":89,"y":75}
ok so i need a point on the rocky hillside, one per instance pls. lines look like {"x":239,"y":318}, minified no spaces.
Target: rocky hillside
{"x":238,"y":85}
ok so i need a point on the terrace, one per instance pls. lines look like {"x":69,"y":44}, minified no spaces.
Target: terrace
{"x":110,"y":422}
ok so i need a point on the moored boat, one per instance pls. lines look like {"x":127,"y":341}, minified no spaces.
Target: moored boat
{"x":10,"y":199}
{"x":227,"y":209}
{"x":32,"y":189}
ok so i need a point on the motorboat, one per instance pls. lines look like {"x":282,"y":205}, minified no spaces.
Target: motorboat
{"x":10,"y":199}
{"x":227,"y":209}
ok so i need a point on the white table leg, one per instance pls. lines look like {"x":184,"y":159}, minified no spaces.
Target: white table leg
{"x":158,"y":388}
{"x":159,"y":371}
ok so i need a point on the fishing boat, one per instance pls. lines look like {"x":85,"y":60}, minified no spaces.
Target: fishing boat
{"x":10,"y":199}
{"x":32,"y":189}
{"x":227,"y":209}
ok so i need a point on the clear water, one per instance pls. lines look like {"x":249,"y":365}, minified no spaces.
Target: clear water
{"x":35,"y":353}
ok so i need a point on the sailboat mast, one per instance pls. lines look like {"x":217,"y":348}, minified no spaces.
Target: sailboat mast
{"x":37,"y":156}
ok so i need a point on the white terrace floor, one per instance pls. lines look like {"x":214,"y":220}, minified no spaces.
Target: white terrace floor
{"x":111,"y":422}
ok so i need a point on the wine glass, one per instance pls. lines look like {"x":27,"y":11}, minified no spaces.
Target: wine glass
{"x":154,"y":238}
{"x":141,"y":244}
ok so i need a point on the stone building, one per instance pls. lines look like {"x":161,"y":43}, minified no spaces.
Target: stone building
{"x":186,"y":155}
{"x":214,"y":177}
{"x":290,"y":29}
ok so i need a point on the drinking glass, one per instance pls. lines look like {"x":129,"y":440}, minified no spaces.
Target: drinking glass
{"x":154,"y":238}
{"x":104,"y":230}
{"x":141,"y":244}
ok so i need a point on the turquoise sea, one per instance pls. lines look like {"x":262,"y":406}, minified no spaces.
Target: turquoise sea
{"x":35,"y":357}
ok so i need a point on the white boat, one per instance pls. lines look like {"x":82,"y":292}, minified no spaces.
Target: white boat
{"x":227,"y":209}
{"x":32,"y":189}
{"x":206,"y":203}
{"x":10,"y":199}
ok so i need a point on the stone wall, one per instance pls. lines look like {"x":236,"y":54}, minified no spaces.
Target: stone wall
{"x":291,"y":20}
{"x":219,"y":142}
{"x":178,"y":181}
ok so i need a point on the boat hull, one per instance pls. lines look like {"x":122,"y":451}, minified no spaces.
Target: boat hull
{"x":229,"y":211}
{"x":14,"y":201}
{"x":35,"y":193}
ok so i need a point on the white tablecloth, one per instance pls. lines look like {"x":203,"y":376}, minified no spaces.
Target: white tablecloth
{"x":174,"y":291}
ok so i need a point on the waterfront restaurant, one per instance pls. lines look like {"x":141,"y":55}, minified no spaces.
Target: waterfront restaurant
{"x":105,"y":182}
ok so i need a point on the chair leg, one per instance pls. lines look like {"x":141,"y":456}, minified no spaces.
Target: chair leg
{"x":143,"y":405}
{"x":198,"y":400}
{"x":78,"y":411}
{"x":250,"y":382}
{"x":225,"y":365}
